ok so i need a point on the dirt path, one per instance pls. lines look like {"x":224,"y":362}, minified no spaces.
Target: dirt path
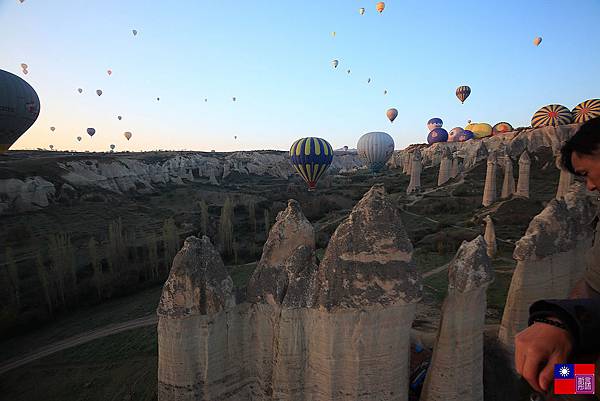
{"x":78,"y":340}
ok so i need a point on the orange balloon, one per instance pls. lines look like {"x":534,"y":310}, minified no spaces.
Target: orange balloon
{"x":380,"y":6}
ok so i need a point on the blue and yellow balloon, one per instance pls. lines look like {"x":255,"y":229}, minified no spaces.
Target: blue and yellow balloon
{"x":311,"y":157}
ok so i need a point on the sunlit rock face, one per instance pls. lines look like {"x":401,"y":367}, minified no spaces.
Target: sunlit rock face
{"x":307,"y":332}
{"x":456,"y":370}
{"x":551,"y":257}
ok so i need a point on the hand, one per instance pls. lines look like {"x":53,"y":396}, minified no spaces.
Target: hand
{"x":537,"y":349}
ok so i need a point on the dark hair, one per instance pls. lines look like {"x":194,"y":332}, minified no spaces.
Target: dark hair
{"x":586,"y":141}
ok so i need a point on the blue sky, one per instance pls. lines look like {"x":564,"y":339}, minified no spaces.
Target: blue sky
{"x":275,"y":58}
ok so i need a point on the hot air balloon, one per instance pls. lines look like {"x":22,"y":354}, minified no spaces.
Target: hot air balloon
{"x":119,"y":118}
{"x":235,"y":137}
{"x":25,"y":72}
{"x":51,"y":147}
{"x":361,"y":11}
{"x":502,"y":128}
{"x":480,"y":130}
{"x":157,"y":99}
{"x":537,"y":41}
{"x":434,"y":123}
{"x":112,"y":147}
{"x":385,"y":92}
{"x":437,"y":135}
{"x":375,"y":148}
{"x":127,"y":135}
{"x":334,"y":63}
{"x":551,"y":115}
{"x":465,"y":136}
{"x":380,"y":6}
{"x":369,"y":80}
{"x":311,"y":157}
{"x":234,"y":98}
{"x":587,"y":110}
{"x":52,"y":129}
{"x":79,"y":90}
{"x":91,"y":131}
{"x":455,"y":133}
{"x":99,"y":92}
{"x":333,"y":34}
{"x":134,"y":31}
{"x":24,"y":66}
{"x":462,"y":93}
{"x":391,"y":114}
{"x":79,"y":139}
{"x":109,"y":72}
{"x":205,"y":99}
{"x":348,"y":71}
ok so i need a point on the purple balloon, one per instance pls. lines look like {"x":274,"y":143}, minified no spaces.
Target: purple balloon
{"x":437,"y":135}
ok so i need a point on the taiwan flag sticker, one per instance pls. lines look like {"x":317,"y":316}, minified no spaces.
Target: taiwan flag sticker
{"x":574,"y":378}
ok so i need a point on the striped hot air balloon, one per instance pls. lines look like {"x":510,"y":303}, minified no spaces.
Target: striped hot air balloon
{"x":502,"y":128}
{"x":587,"y":110}
{"x":462,"y":93}
{"x":311,"y":157}
{"x":551,"y":115}
{"x":375,"y":148}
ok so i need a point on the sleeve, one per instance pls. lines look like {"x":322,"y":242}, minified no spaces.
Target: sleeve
{"x":581,"y":316}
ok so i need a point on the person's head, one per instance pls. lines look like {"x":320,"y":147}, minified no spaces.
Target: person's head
{"x":580,"y":155}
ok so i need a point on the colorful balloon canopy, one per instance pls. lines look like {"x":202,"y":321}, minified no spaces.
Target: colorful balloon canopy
{"x":20,"y":108}
{"x":380,"y":6}
{"x":127,"y":135}
{"x":334,"y":63}
{"x":455,"y":133}
{"x":587,"y":110}
{"x":434,"y":123}
{"x":375,"y":148}
{"x":537,"y":41}
{"x":311,"y":157}
{"x":502,"y":128}
{"x":551,"y":115}
{"x":479,"y":130}
{"x":391,"y":114}
{"x":91,"y":131}
{"x":99,"y":92}
{"x":437,"y":135}
{"x":462,"y":93}
{"x":465,"y":136}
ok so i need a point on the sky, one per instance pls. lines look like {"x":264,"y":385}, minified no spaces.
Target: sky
{"x":275,"y":58}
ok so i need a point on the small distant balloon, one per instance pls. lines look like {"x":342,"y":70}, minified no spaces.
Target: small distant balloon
{"x":380,"y":6}
{"x":25,"y":71}
{"x":391,"y":114}
{"x":234,"y":98}
{"x":109,"y":72}
{"x":385,"y":92}
{"x":462,"y":93}
{"x":361,"y":11}
{"x":99,"y":92}
{"x":157,"y":99}
{"x":21,"y":1}
{"x":369,"y":80}
{"x":79,"y":90}
{"x":51,"y":147}
{"x":112,"y":147}
{"x":205,"y":99}
{"x":120,"y":118}
{"x":24,"y":66}
{"x":52,"y":129}
{"x":127,"y":135}
{"x":434,"y":123}
{"x":537,"y":41}
{"x":235,"y":137}
{"x":334,"y":63}
{"x":333,"y":34}
{"x":79,"y":139}
{"x":134,"y":31}
{"x":348,"y":71}
{"x":91,"y":131}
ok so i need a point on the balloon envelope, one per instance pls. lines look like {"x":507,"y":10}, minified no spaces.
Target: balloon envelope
{"x":437,"y":135}
{"x":380,"y":6}
{"x":361,"y":11}
{"x":109,"y":72}
{"x":24,"y":66}
{"x":455,"y":133}
{"x":112,"y":146}
{"x":79,"y":90}
{"x":134,"y":31}
{"x":120,"y":118}
{"x":586,"y":110}
{"x":98,"y":92}
{"x":334,"y":63}
{"x":479,"y":130}
{"x":537,"y":41}
{"x":465,"y":136}
{"x":552,"y":115}
{"x":434,"y":123}
{"x":52,"y":129}
{"x":51,"y":147}
{"x":502,"y":128}
{"x":311,"y":157}
{"x":79,"y":138}
{"x":375,"y":148}
{"x":91,"y":131}
{"x":19,"y":108}
{"x":462,"y":93}
{"x":391,"y":114}
{"x":127,"y":135}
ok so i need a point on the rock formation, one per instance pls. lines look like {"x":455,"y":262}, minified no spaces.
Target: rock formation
{"x":489,"y":190}
{"x":564,"y":182}
{"x":410,"y":163}
{"x":508,"y":184}
{"x":455,"y":169}
{"x":456,"y":369}
{"x":551,"y":257}
{"x":445,"y":166}
{"x":490,"y":237}
{"x":213,"y":179}
{"x":415,"y":173}
{"x":523,"y":183}
{"x":331,"y":332}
